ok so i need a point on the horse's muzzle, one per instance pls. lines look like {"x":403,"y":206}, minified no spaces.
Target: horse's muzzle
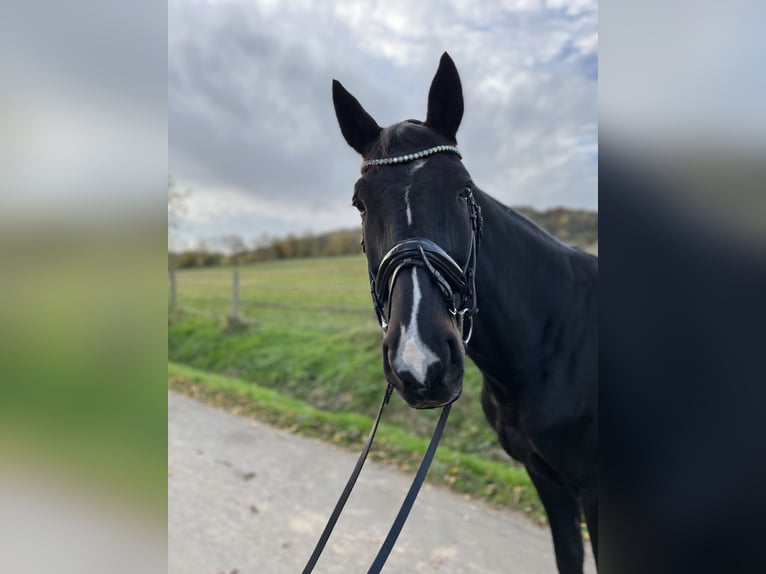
{"x":441,"y":384}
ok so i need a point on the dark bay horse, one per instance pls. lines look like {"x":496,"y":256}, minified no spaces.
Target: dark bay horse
{"x":437,"y":247}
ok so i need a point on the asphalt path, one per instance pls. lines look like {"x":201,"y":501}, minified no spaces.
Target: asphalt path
{"x":246,"y":498}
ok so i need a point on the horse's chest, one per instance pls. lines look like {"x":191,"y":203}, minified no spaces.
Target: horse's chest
{"x":505,"y":419}
{"x":553,"y":446}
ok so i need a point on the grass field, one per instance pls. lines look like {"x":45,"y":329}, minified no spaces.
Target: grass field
{"x":311,"y":335}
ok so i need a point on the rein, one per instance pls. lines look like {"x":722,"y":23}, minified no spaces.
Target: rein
{"x":457,"y":285}
{"x":409,"y":500}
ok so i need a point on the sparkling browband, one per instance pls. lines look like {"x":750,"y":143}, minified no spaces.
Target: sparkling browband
{"x":410,"y":156}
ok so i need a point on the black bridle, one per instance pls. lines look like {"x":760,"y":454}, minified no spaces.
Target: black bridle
{"x":458,"y":286}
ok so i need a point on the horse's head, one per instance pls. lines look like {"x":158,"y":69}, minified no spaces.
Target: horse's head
{"x":420,"y":225}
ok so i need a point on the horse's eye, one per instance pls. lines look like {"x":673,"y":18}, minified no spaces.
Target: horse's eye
{"x":465,"y":193}
{"x":359,"y":205}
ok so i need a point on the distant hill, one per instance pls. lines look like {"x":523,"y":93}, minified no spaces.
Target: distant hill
{"x":574,"y":226}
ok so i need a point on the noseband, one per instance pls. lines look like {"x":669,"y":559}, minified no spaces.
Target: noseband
{"x":457,"y":284}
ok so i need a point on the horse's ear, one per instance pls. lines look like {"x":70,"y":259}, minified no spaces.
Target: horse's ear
{"x":445,"y":100}
{"x":356,"y":125}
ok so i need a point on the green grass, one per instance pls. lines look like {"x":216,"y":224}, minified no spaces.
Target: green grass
{"x":82,"y":397}
{"x":470,"y":474}
{"x":311,"y":335}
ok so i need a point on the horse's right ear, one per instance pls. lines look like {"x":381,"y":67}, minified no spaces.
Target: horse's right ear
{"x":356,"y":125}
{"x":445,"y":100}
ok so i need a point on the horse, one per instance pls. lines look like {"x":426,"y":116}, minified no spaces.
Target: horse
{"x":453,"y":272}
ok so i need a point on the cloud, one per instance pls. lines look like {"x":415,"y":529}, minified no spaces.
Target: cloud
{"x":82,"y":111}
{"x":250,"y":111}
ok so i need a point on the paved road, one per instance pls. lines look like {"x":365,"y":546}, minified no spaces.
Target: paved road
{"x":245,"y":498}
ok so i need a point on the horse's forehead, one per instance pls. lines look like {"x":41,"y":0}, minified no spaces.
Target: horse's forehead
{"x":405,"y":137}
{"x":425,"y":177}
{"x":407,"y":176}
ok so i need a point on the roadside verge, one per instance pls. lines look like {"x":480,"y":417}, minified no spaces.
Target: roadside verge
{"x":470,"y":475}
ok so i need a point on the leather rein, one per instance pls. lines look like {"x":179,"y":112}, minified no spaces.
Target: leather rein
{"x":457,"y":285}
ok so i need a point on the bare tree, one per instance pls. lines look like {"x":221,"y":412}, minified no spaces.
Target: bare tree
{"x":176,"y":209}
{"x":177,"y":203}
{"x":236,"y":248}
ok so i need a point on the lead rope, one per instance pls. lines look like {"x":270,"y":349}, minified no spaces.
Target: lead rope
{"x":349,"y":486}
{"x":409,"y":500}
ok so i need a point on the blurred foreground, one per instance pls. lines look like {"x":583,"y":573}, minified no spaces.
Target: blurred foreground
{"x":82,"y":405}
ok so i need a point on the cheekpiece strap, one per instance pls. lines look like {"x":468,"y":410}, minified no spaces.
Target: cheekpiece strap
{"x":410,"y":156}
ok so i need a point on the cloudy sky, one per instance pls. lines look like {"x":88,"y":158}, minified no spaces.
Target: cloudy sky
{"x":252,"y":131}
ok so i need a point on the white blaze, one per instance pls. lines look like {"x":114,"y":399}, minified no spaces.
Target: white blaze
{"x":415,"y":167}
{"x":407,"y":204}
{"x":413,"y":355}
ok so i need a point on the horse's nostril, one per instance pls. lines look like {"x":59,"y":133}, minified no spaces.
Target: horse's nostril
{"x":434,"y":377}
{"x":455,"y":351}
{"x":436,"y":374}
{"x":412,"y":382}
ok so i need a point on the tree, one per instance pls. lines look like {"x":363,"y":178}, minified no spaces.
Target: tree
{"x":177,"y":203}
{"x":176,"y":209}
{"x":236,"y":248}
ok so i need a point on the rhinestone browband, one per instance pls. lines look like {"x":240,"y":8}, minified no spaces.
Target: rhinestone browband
{"x":410,"y":156}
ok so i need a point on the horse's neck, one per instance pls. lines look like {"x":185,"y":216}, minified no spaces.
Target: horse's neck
{"x":525,"y":288}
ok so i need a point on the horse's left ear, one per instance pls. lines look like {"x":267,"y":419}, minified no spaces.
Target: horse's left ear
{"x":445,"y":100}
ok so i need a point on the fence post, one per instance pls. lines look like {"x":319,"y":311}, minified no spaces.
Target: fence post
{"x":172,"y":278}
{"x":235,"y":295}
